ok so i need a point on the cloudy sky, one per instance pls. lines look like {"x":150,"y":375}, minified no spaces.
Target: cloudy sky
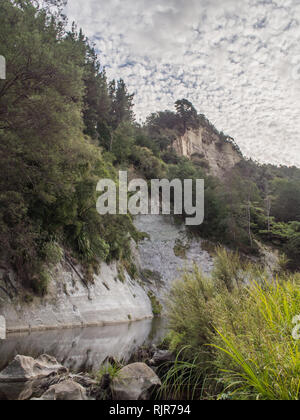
{"x":237,"y":61}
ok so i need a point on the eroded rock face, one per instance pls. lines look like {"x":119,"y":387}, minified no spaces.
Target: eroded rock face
{"x":68,"y":390}
{"x":18,"y":380}
{"x":134,"y":382}
{"x":156,"y":254}
{"x":219,"y":155}
{"x":72,"y":303}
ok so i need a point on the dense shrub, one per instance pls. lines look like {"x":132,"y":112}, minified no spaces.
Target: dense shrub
{"x":234,"y":342}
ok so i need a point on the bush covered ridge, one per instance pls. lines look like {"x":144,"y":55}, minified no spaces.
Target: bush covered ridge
{"x":50,"y":163}
{"x":63,"y":126}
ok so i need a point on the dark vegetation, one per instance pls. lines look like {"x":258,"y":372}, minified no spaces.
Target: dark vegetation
{"x":63,"y":126}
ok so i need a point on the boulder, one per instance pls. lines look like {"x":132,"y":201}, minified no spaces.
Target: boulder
{"x":160,"y":357}
{"x":84,"y":380}
{"x":134,"y":382}
{"x":2,"y":328}
{"x":22,"y":376}
{"x":37,"y":388}
{"x":65,"y":391}
{"x":23,"y":369}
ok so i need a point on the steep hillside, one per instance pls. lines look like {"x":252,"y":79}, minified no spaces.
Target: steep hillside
{"x":203,"y":144}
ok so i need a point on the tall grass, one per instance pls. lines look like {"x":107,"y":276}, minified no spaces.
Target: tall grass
{"x":264,"y":358}
{"x":233,"y":333}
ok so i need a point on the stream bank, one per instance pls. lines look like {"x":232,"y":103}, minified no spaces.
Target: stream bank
{"x":109,"y":299}
{"x":85,"y":349}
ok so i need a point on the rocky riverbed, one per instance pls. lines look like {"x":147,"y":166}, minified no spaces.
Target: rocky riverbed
{"x":44,"y":378}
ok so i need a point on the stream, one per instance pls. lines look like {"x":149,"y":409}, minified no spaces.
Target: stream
{"x":85,"y":350}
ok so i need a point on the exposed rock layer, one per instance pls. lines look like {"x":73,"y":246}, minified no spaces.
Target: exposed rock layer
{"x":219,"y":155}
{"x":70,"y":303}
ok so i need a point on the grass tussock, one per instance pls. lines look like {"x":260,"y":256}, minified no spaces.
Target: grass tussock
{"x":233,"y":333}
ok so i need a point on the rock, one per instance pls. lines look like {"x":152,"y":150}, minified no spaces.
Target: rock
{"x":65,"y":391}
{"x":72,"y":304}
{"x":2,"y":328}
{"x":84,"y":380}
{"x":22,"y":376}
{"x":39,"y":387}
{"x":142,"y":354}
{"x":160,"y":357}
{"x":218,"y":156}
{"x":23,"y":368}
{"x":134,"y":382}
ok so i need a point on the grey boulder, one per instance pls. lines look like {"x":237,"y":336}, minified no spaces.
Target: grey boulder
{"x":23,"y":368}
{"x":134,"y":382}
{"x":21,"y":376}
{"x":65,"y":391}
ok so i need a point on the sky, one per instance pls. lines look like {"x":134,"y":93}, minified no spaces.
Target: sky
{"x":237,"y":61}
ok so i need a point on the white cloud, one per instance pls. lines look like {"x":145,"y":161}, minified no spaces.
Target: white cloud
{"x":238,"y":63}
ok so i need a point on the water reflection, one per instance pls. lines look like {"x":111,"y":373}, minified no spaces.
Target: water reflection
{"x":84,"y":349}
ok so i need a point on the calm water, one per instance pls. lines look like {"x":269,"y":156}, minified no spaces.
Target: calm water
{"x":84,"y":349}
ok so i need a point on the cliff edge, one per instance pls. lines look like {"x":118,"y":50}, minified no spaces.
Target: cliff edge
{"x":218,"y":154}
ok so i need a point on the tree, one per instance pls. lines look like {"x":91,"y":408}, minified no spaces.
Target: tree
{"x":51,"y":107}
{"x":187,"y":114}
{"x":122,"y":103}
{"x":162,"y":128}
{"x":286,"y":204}
{"x":122,"y":142}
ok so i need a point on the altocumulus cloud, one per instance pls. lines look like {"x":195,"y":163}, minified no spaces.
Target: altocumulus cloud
{"x":238,"y":62}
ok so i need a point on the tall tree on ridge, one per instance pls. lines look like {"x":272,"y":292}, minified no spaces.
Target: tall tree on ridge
{"x":187,"y":114}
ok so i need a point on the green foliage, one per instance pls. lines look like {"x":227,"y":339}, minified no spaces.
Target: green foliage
{"x":122,"y":103}
{"x":40,"y":282}
{"x":286,"y":202}
{"x":122,"y":142}
{"x":108,"y":369}
{"x":121,"y":274}
{"x":63,"y":126}
{"x":180,"y":249}
{"x":261,"y":357}
{"x":156,"y":305}
{"x":214,"y":225}
{"x":55,"y":108}
{"x":273,"y":207}
{"x":234,"y":341}
{"x":146,"y":163}
{"x":182,"y":380}
{"x":52,"y":253}
{"x":187,"y":115}
{"x":162,"y":128}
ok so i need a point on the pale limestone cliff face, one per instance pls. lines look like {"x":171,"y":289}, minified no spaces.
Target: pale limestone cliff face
{"x":207,"y":145}
{"x":71,"y":303}
{"x":157,"y":256}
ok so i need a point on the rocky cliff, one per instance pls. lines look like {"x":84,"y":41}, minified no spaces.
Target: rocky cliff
{"x":216,"y":153}
{"x":168,"y":250}
{"x":71,"y":303}
{"x":160,"y":259}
